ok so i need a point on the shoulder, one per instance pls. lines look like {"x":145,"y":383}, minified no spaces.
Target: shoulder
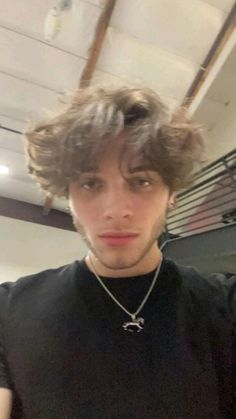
{"x":192,"y":278}
{"x":36,"y":284}
{"x":217,"y":290}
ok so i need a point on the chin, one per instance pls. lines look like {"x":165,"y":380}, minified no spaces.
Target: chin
{"x":118,"y":262}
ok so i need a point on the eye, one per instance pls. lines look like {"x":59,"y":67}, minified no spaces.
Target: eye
{"x":91,"y":184}
{"x":140,"y":183}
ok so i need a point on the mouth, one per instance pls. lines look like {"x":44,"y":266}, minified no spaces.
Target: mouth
{"x":118,"y":239}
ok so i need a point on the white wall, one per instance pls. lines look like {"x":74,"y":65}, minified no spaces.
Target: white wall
{"x":222,"y":138}
{"x":27,"y":248}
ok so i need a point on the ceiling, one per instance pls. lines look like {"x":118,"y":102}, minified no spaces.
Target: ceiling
{"x":220,"y":93}
{"x":160,"y":44}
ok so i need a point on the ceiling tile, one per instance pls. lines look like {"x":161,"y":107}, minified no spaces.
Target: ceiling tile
{"x":224,"y":5}
{"x":20,"y":190}
{"x":208,"y":113}
{"x":104,"y":79}
{"x":37,"y":62}
{"x":16,"y":124}
{"x":23,"y":100}
{"x":223,"y":88}
{"x":183,"y":27}
{"x":11,"y":141}
{"x":77,"y":24}
{"x":146,"y":64}
{"x":16,"y":163}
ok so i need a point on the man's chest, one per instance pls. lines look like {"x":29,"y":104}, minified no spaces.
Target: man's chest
{"x":73,"y":366}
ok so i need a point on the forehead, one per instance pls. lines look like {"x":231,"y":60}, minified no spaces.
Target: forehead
{"x":121,"y":153}
{"x":125,"y":161}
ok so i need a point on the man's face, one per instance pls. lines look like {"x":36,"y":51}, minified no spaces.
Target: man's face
{"x":120,"y":218}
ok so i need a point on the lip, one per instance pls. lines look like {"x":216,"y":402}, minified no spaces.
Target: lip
{"x":118,"y":239}
{"x":118,"y":234}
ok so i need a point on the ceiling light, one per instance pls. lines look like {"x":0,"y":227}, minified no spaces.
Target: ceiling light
{"x":52,"y":23}
{"x":4,"y":170}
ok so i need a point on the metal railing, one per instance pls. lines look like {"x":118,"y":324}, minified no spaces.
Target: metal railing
{"x":209,"y":204}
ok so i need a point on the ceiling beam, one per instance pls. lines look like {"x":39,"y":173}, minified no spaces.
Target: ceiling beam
{"x":215,"y":52}
{"x":32,"y":213}
{"x":97,"y":43}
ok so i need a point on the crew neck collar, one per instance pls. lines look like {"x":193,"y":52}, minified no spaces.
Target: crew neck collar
{"x":128,"y":278}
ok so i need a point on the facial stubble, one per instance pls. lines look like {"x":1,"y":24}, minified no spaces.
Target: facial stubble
{"x":157,"y":230}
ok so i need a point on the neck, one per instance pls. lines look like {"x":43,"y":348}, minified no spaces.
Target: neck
{"x":146,"y":265}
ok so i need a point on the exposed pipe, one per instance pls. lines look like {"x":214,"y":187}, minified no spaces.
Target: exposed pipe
{"x":97,"y":44}
{"x":224,"y":34}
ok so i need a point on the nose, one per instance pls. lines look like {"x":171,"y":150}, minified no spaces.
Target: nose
{"x":118,"y":204}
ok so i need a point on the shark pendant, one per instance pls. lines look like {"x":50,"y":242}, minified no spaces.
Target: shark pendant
{"x":135,"y":325}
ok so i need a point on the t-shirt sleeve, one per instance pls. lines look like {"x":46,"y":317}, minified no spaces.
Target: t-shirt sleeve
{"x":5,"y":380}
{"x":230,"y":287}
{"x":227,"y":283}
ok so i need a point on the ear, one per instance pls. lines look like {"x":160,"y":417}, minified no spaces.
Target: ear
{"x":172,"y":200}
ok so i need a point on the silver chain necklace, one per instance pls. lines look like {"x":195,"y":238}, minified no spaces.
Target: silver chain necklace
{"x":136,"y":323}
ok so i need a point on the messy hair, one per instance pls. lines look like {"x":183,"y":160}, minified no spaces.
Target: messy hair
{"x":64,"y":146}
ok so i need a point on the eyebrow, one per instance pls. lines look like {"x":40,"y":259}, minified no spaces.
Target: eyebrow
{"x":139,"y":169}
{"x":89,"y":171}
{"x":131,"y":170}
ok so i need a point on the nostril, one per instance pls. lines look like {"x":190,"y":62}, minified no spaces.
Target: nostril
{"x":116,"y":212}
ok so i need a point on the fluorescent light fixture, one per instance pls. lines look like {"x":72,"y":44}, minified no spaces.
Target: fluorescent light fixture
{"x":53,"y":21}
{"x":4,"y":170}
{"x":52,"y":24}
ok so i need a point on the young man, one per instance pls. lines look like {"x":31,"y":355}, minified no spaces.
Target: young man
{"x":124,"y":333}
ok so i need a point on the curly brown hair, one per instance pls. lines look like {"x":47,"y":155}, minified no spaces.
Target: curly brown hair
{"x":74,"y":141}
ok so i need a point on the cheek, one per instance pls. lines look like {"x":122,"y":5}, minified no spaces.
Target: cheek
{"x":153,"y":207}
{"x":87,"y":215}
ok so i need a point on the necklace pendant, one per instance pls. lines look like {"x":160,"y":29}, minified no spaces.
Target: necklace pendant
{"x":135,"y":325}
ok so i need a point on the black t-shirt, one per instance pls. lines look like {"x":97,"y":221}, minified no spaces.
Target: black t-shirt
{"x":65,"y":355}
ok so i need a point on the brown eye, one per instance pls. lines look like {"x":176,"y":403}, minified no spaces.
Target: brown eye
{"x":91,"y":184}
{"x":140,"y":183}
